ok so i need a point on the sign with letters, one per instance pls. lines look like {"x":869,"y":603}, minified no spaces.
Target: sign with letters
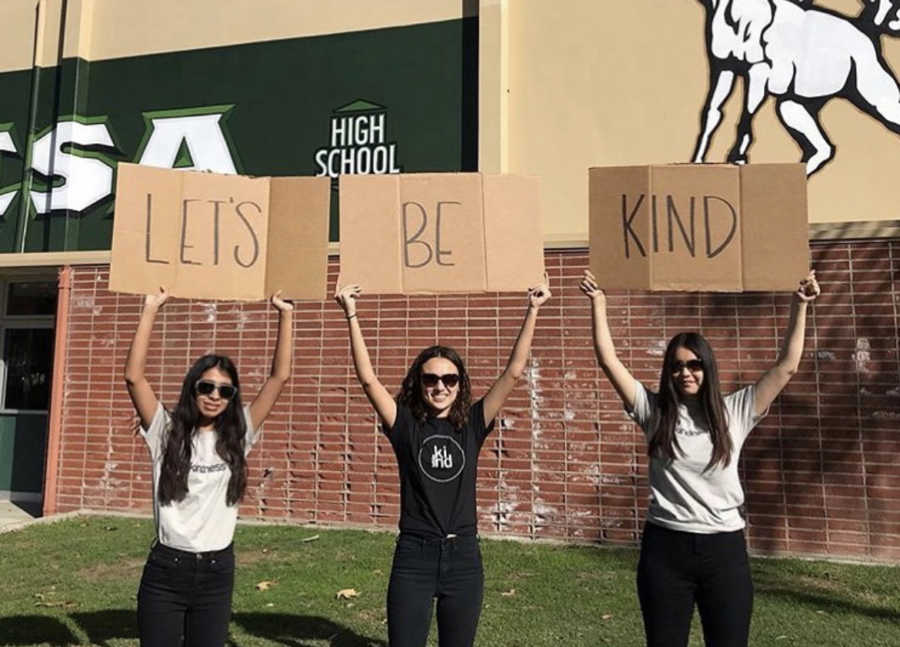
{"x":691,"y":227}
{"x":440,"y":232}
{"x":215,"y":236}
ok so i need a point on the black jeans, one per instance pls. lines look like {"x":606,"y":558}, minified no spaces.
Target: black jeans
{"x":677,"y":569}
{"x":185,"y":596}
{"x":447,"y":569}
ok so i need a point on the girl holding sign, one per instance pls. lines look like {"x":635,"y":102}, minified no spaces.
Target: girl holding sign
{"x":693,"y":548}
{"x":437,"y":432}
{"x":199,"y":454}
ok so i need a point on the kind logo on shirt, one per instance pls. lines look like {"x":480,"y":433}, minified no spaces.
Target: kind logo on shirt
{"x":441,"y":458}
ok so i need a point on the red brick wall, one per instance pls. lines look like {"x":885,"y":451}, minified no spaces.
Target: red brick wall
{"x":820,"y":471}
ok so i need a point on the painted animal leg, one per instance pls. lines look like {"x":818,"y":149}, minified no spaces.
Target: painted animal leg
{"x":881,"y":11}
{"x":755,"y":93}
{"x":879,"y":90}
{"x":805,"y":129}
{"x":720,"y":84}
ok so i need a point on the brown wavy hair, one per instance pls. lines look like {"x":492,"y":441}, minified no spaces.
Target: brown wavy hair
{"x":231,"y":428}
{"x":664,"y":442}
{"x":411,"y":391}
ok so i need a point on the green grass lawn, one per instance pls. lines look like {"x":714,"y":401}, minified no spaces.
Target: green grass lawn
{"x":74,"y":582}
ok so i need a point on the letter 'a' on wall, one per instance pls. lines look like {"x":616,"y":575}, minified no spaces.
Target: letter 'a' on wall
{"x":430,"y":233}
{"x":215,"y":236}
{"x":710,"y":227}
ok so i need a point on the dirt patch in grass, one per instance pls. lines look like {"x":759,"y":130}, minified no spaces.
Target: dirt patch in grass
{"x":602,"y":576}
{"x":520,"y":575}
{"x":802,"y":582}
{"x":250,"y":557}
{"x":105,"y":571}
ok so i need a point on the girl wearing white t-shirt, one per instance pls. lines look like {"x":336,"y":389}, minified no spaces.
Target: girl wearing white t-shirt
{"x":198,"y":451}
{"x":693,"y":549}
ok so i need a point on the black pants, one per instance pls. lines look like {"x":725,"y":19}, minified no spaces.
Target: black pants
{"x":677,"y":569}
{"x":185,"y":596}
{"x":447,"y":569}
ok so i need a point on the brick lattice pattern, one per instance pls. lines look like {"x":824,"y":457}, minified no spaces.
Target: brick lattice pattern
{"x":820,"y":472}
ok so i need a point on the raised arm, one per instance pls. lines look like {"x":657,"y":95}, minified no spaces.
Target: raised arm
{"x":615,"y":370}
{"x":142,"y":396}
{"x":515,"y":366}
{"x":379,"y":396}
{"x":281,"y":362}
{"x":776,"y":378}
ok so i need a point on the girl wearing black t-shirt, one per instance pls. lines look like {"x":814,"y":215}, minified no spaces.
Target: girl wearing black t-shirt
{"x":437,"y":433}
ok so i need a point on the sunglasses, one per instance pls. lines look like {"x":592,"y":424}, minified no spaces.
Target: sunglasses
{"x":693,"y":365}
{"x":449,"y":380}
{"x":206,"y":387}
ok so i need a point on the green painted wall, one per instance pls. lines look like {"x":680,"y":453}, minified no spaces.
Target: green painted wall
{"x":281,"y":94}
{"x":23,"y":440}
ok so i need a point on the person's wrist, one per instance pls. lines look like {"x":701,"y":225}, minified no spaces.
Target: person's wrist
{"x":350,"y":315}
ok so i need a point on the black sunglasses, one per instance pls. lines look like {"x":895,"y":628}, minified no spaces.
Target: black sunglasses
{"x":449,"y":380}
{"x":693,"y":365}
{"x":206,"y":387}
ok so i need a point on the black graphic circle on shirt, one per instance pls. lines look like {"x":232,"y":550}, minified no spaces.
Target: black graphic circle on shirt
{"x":441,"y":458}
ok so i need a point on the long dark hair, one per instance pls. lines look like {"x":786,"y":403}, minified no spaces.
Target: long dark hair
{"x":664,"y":442}
{"x":173,"y":479}
{"x":411,"y":391}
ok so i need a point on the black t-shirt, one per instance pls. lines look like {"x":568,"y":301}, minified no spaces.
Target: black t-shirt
{"x":438,"y":466}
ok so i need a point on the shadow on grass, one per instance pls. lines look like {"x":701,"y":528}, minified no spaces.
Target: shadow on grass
{"x":102,"y":626}
{"x":117,"y":624}
{"x":291,"y":630}
{"x":818,"y":596}
{"x":28,"y":630}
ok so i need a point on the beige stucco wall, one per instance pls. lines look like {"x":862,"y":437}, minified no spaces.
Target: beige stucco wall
{"x":612,"y":83}
{"x":128,"y":28}
{"x":17,"y":34}
{"x":104,"y":29}
{"x":563,"y":85}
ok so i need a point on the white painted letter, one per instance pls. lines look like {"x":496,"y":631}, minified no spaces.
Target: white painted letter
{"x":85,"y":180}
{"x":6,"y":144}
{"x":201,"y":133}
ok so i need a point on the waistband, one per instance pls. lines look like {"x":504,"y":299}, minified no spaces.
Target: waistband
{"x":437,"y":541}
{"x":185,"y":555}
{"x":651,"y":526}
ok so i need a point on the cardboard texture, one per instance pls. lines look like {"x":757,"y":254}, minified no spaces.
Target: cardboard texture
{"x":433,"y":233}
{"x":699,"y":227}
{"x":213,"y":236}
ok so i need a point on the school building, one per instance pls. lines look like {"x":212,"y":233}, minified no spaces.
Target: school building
{"x":281,"y":87}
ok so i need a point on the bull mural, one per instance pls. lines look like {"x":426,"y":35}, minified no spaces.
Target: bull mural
{"x":803,"y":56}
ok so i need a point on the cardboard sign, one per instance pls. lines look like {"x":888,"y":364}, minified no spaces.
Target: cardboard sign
{"x":711,"y":227}
{"x":440,"y":232}
{"x":213,"y":236}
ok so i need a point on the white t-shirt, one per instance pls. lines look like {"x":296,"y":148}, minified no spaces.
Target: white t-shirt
{"x":202,"y":521}
{"x":682,"y":495}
